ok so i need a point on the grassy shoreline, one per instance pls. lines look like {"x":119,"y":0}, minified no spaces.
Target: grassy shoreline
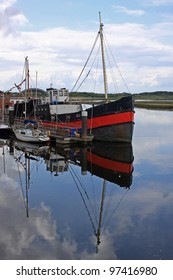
{"x":154,"y":104}
{"x":159,"y":100}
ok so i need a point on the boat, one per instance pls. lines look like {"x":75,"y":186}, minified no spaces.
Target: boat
{"x":26,"y":129}
{"x":111,"y":121}
{"x":31,"y":135}
{"x":112,"y":162}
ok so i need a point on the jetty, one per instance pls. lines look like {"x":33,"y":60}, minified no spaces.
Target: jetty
{"x":59,"y":133}
{"x":66,"y":135}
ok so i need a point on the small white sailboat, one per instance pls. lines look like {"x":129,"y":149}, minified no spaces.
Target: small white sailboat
{"x":31,"y":135}
{"x":28,"y":130}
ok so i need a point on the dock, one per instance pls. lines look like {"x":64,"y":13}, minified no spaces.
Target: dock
{"x":74,"y":140}
{"x":69,"y":135}
{"x":60,"y":133}
{"x":65,"y":135}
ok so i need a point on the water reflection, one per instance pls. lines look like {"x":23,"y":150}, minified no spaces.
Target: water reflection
{"x":52,"y":225}
{"x":104,"y":201}
{"x":153,"y":209}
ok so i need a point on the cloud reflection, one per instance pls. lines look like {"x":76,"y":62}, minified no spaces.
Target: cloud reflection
{"x":59,"y":228}
{"x":37,"y":237}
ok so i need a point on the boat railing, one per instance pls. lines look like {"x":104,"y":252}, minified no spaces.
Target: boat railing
{"x":61,"y":129}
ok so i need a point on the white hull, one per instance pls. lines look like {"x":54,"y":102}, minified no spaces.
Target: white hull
{"x":30,"y":135}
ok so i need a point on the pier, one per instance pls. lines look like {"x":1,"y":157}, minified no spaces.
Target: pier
{"x":60,"y":133}
{"x":69,"y":135}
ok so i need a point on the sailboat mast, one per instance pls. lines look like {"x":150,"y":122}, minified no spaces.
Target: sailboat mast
{"x":26,"y":82}
{"x":103,"y":59}
{"x":100,"y":216}
{"x":36,"y":83}
{"x":27,"y":164}
{"x":27,"y":74}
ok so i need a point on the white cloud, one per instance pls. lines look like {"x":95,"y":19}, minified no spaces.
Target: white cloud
{"x":122,"y":9}
{"x":4,"y":4}
{"x":58,"y":54}
{"x":142,"y":204}
{"x":105,"y":250}
{"x":10,"y":17}
{"x":157,"y":2}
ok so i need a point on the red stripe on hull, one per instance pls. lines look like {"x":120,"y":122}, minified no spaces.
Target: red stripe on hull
{"x":112,"y":119}
{"x":110,"y":164}
{"x":106,"y":120}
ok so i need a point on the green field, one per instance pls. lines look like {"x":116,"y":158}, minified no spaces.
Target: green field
{"x":154,"y":104}
{"x":149,"y":100}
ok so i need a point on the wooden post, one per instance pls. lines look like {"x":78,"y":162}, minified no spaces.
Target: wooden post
{"x":84,"y":125}
{"x":83,"y":161}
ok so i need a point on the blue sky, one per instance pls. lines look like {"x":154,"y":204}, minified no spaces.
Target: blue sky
{"x":57,"y":36}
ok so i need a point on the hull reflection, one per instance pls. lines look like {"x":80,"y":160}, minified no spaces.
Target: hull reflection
{"x":110,"y":161}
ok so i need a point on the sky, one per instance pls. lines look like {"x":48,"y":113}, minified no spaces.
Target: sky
{"x":57,"y":36}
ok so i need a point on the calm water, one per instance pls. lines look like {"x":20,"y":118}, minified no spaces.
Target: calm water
{"x":101,"y":202}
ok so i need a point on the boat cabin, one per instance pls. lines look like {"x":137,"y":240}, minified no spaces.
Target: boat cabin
{"x":57,"y":95}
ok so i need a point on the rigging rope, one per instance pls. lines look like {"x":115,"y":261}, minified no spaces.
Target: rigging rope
{"x":117,"y":65}
{"x":86,"y":61}
{"x":97,"y":55}
{"x":83,"y":199}
{"x":85,"y":192}
{"x":108,"y":204}
{"x":113,"y":211}
{"x":114,"y":80}
{"x":20,"y":179}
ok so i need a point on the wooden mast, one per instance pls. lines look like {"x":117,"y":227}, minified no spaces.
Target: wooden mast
{"x":103,"y":58}
{"x":98,"y":233}
{"x":27,"y":93}
{"x":27,"y":166}
{"x":106,"y":98}
{"x":27,"y":74}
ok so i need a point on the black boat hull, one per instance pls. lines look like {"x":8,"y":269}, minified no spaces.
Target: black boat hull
{"x":114,"y":133}
{"x":112,"y":162}
{"x":112,"y":121}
